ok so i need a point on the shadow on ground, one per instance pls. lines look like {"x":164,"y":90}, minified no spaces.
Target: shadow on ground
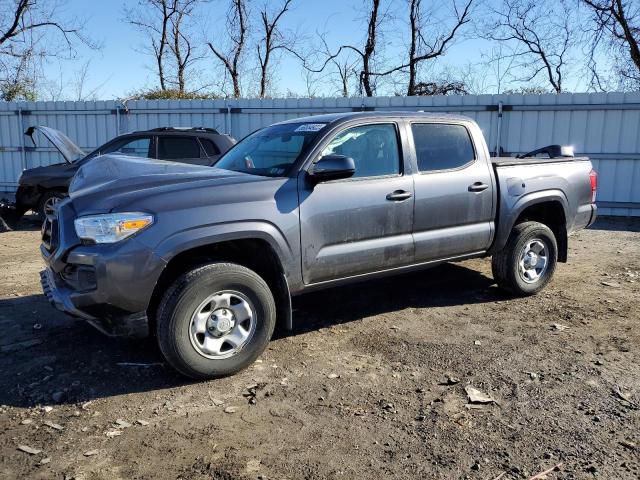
{"x":45,"y":354}
{"x":29,"y":222}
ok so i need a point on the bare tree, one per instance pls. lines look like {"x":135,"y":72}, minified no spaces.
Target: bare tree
{"x":273,"y":39}
{"x":423,"y":48}
{"x":71,"y":86}
{"x":366,"y":75}
{"x":31,"y":31}
{"x":617,"y":25}
{"x":181,"y":47}
{"x":499,"y":62}
{"x":345,"y":67}
{"x":542,"y":35}
{"x":237,"y":29}
{"x":369,"y":48}
{"x":311,"y":84}
{"x":158,"y":34}
{"x":80,"y":84}
{"x":164,"y":22}
{"x":428,"y":40}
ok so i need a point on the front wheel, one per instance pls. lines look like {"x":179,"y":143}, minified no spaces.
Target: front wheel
{"x":528,"y":260}
{"x":47,"y":203}
{"x":215,"y":320}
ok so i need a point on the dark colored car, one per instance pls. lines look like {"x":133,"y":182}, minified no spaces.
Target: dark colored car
{"x":207,"y":259}
{"x":41,"y":187}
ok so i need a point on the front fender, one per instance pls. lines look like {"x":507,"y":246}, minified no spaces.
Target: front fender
{"x":213,"y":234}
{"x":509,"y":213}
{"x":216,"y":233}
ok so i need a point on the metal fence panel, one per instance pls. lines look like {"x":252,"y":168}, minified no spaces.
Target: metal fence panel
{"x":604,"y":126}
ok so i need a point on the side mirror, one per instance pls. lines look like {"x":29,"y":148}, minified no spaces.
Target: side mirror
{"x":332,"y":167}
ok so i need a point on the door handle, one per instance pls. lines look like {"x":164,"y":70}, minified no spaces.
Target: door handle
{"x":478,"y":187}
{"x":399,"y":195}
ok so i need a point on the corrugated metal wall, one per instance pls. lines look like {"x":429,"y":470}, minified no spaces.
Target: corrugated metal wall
{"x":604,"y":126}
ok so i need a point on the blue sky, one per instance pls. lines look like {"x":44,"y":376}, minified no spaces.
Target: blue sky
{"x":119,"y":67}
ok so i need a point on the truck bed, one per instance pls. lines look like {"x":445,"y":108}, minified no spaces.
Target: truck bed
{"x":524,"y":181}
{"x":511,"y":161}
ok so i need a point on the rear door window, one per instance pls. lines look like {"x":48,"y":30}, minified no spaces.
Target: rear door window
{"x":441,"y":147}
{"x":175,"y":148}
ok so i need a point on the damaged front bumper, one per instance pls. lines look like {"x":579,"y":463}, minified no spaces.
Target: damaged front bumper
{"x":108,"y":285}
{"x":113,"y":324}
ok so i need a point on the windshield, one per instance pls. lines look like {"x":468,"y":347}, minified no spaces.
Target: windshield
{"x":271,"y":151}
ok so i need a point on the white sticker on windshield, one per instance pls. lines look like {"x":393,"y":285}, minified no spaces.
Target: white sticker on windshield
{"x":310,"y":127}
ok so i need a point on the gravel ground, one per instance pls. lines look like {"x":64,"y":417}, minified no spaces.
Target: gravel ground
{"x":372,"y":383}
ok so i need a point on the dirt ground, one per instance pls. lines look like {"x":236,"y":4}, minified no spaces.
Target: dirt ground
{"x":371,"y":384}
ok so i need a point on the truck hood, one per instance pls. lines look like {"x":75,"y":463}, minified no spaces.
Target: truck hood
{"x":120,"y":175}
{"x":69,"y":150}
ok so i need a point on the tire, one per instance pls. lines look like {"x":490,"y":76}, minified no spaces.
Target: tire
{"x":510,"y":267}
{"x":215,"y":350}
{"x":47,"y":199}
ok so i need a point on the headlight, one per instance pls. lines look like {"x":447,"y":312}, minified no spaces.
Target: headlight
{"x":111,"y":227}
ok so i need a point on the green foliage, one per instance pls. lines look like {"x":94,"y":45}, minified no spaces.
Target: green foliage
{"x":173,"y":94}
{"x":15,"y":91}
{"x":440,"y":88}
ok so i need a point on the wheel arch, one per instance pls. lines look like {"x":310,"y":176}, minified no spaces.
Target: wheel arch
{"x":251,"y":251}
{"x":547,"y":207}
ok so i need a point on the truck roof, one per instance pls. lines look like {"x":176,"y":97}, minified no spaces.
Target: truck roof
{"x":346,"y":116}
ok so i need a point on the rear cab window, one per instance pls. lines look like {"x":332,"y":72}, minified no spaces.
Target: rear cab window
{"x":441,"y":146}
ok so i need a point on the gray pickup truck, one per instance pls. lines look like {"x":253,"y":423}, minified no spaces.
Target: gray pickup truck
{"x":208,"y":258}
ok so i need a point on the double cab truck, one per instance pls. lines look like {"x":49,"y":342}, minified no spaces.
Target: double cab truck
{"x":206,"y":259}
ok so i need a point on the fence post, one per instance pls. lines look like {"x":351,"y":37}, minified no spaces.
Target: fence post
{"x":23,"y":154}
{"x":499,"y":128}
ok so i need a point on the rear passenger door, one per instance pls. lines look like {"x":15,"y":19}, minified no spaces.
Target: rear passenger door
{"x":181,"y":149}
{"x":453,"y":193}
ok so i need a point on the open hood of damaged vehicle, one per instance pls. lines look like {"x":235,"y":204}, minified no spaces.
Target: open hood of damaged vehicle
{"x":117,"y":173}
{"x":69,"y":150}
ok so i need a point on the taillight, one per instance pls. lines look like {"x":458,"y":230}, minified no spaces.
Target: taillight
{"x":593,"y":177}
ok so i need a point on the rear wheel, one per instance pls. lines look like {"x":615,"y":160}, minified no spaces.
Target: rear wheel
{"x":48,"y":200}
{"x":528,"y":260}
{"x":215,"y":320}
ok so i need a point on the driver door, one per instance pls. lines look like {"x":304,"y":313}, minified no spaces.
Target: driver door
{"x":362,"y":224}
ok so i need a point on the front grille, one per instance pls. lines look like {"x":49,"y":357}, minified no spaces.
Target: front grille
{"x":50,"y":233}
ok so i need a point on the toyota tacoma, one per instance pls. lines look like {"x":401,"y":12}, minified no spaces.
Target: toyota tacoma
{"x":206,"y":259}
